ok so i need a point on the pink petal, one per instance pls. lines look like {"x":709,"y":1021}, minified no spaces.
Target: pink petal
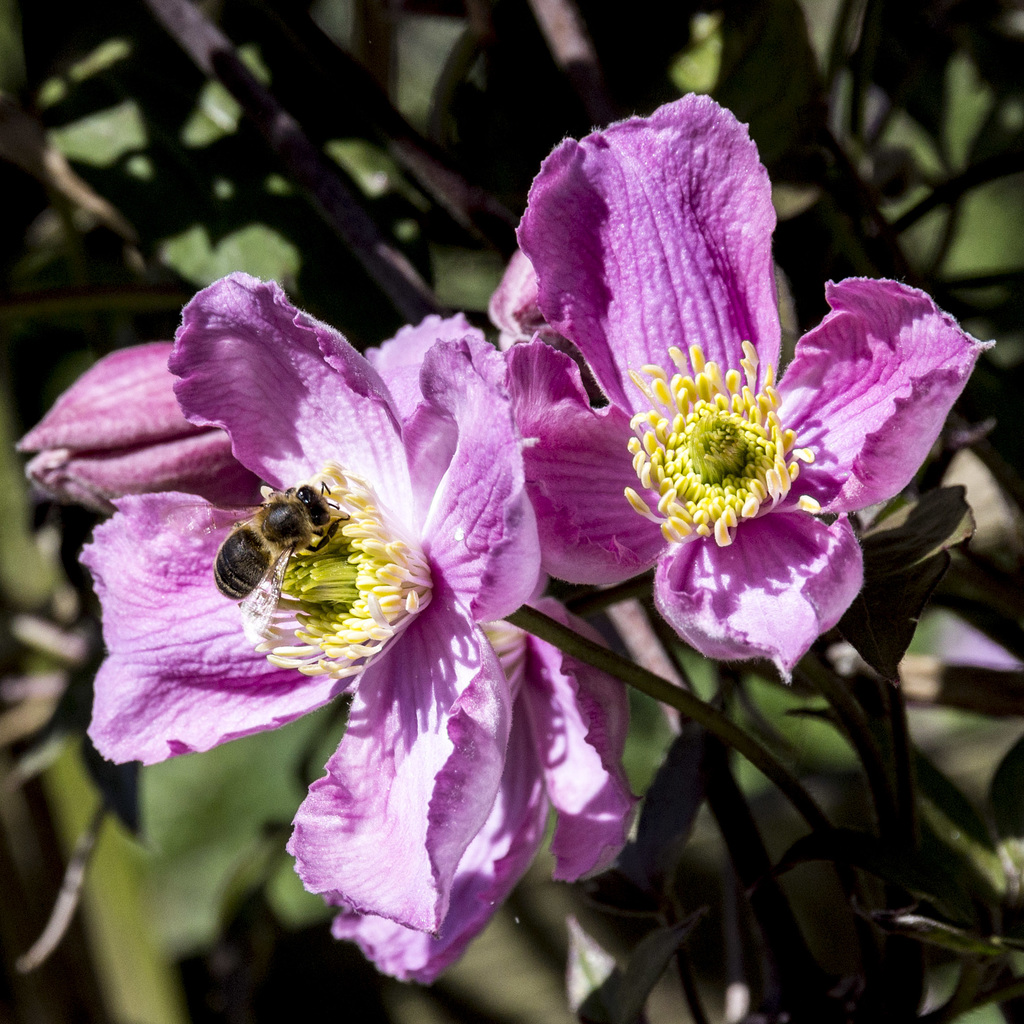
{"x":579,"y":718}
{"x":655,"y":232}
{"x":513,"y":307}
{"x":785,"y":580}
{"x":399,"y":360}
{"x":869,"y":389}
{"x":179,"y":674}
{"x":480,"y":531}
{"x":495,"y":860}
{"x":577,"y":466}
{"x":414,"y":778}
{"x":291,"y":392}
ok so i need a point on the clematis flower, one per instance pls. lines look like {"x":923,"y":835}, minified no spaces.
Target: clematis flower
{"x":565,"y":747}
{"x":651,"y":242}
{"x":119,"y":430}
{"x":428,"y":534}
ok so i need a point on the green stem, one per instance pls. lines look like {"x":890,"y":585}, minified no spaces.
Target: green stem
{"x":595,"y":601}
{"x":590,"y":653}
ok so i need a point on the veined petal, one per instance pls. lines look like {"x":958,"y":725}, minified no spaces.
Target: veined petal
{"x":785,"y":580}
{"x":495,"y":860}
{"x":290,"y":391}
{"x":656,"y":232}
{"x":579,"y":718}
{"x":399,"y":360}
{"x":869,"y":389}
{"x":179,"y":674}
{"x":415,"y":776}
{"x":578,"y":466}
{"x":480,"y":531}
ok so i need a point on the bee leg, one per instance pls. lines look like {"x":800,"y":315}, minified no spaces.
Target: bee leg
{"x":328,"y":534}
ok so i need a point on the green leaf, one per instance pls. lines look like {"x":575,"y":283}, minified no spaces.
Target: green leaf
{"x":905,"y":556}
{"x":939,"y":933}
{"x":954,"y":830}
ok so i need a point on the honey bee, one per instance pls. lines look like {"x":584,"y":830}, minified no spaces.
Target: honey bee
{"x":251,"y":563}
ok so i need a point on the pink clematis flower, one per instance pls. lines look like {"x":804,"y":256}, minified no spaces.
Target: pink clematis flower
{"x":119,"y":430}
{"x":429,"y":534}
{"x":568,"y":731}
{"x":651,"y":242}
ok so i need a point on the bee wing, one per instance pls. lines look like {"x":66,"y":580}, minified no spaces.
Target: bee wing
{"x":259,"y":606}
{"x":201,"y":517}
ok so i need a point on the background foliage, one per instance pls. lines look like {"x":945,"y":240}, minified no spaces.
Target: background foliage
{"x":132,"y":175}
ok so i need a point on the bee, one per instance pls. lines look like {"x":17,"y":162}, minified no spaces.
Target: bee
{"x":251,"y":563}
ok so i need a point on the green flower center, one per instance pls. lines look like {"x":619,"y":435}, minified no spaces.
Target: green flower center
{"x":343,"y":600}
{"x":712,"y":448}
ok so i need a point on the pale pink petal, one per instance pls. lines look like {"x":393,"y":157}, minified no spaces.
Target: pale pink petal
{"x":577,"y":466}
{"x":655,"y":232}
{"x":399,"y":360}
{"x":513,"y":307}
{"x":785,"y":580}
{"x":415,"y":776}
{"x":480,"y":531}
{"x":495,"y":860}
{"x":579,"y":718}
{"x":869,"y":389}
{"x":179,"y":674}
{"x":290,"y":391}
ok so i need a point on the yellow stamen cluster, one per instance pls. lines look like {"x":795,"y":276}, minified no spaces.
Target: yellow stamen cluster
{"x":712,"y":448}
{"x":341,"y":604}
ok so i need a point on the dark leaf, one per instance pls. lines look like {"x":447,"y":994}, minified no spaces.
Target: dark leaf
{"x":646,"y":966}
{"x":905,"y":556}
{"x":667,"y":816}
{"x":118,"y":784}
{"x":768,"y":75}
{"x":921,"y":874}
{"x":1005,"y":793}
{"x":939,"y":933}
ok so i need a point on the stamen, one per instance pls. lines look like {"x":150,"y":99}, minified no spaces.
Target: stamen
{"x":712,"y":447}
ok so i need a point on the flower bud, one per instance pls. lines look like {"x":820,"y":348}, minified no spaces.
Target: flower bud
{"x":119,"y":430}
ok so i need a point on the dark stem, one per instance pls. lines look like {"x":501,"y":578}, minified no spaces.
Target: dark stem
{"x":857,"y":727}
{"x":594,"y":601}
{"x":689,"y":983}
{"x":802,"y":980}
{"x":908,"y":826}
{"x":213,"y":53}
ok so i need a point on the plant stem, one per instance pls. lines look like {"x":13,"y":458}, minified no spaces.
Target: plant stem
{"x":857,"y":727}
{"x":590,"y":653}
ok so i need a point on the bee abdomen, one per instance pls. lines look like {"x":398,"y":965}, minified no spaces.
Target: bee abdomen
{"x":241,"y":563}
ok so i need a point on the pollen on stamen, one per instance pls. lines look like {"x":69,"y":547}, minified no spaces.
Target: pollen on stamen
{"x":712,"y":447}
{"x":345,"y":601}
